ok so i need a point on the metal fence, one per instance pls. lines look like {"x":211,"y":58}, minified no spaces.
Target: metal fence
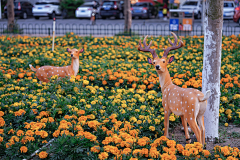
{"x":108,"y":30}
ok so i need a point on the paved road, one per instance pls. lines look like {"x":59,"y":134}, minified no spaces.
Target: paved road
{"x":109,"y":27}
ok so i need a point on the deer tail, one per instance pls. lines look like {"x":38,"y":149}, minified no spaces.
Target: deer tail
{"x":206,"y":96}
{"x":32,"y":68}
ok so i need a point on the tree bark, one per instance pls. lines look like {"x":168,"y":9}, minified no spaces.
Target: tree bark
{"x":213,"y":23}
{"x":10,"y":14}
{"x":127,"y":16}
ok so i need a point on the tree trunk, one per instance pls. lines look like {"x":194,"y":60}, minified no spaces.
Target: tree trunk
{"x":213,"y":23}
{"x":127,"y":15}
{"x":10,"y":14}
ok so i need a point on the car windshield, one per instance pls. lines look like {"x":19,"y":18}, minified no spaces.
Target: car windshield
{"x":190,"y":3}
{"x":228,"y":5}
{"x":86,"y":5}
{"x":107,"y":3}
{"x":43,"y":3}
{"x":140,"y":5}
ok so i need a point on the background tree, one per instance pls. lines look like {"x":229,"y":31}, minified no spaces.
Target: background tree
{"x":213,"y":23}
{"x":10,"y":14}
{"x":127,"y":16}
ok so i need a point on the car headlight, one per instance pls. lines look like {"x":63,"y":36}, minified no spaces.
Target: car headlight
{"x":144,"y":11}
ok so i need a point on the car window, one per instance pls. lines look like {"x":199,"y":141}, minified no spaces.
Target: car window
{"x":228,"y":5}
{"x":140,"y":5}
{"x":190,"y":3}
{"x":15,"y":4}
{"x":86,"y":5}
{"x":108,"y":3}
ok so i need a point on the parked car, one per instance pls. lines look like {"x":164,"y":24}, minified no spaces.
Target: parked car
{"x":85,"y":10}
{"x":112,"y":8}
{"x":22,"y":9}
{"x":192,"y":5}
{"x":143,"y":10}
{"x":228,"y":9}
{"x":46,"y":9}
{"x":236,"y":16}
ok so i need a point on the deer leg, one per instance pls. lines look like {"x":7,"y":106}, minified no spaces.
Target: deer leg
{"x":193,"y":124}
{"x":166,"y":122}
{"x":200,"y":120}
{"x":184,"y":123}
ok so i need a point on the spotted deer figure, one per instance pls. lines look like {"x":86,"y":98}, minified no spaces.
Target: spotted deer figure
{"x":45,"y":72}
{"x":188,"y":103}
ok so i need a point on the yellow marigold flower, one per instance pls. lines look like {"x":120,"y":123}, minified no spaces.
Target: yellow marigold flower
{"x":154,"y":153}
{"x":193,"y":151}
{"x":126,"y":151}
{"x":226,"y":124}
{"x":152,"y":128}
{"x":20,"y":133}
{"x":23,"y":149}
{"x":186,"y":153}
{"x":103,"y":155}
{"x":1,"y":139}
{"x":225,"y":150}
{"x":43,"y":154}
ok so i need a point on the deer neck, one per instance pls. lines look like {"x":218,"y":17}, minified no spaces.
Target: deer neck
{"x":165,"y":80}
{"x":75,"y":65}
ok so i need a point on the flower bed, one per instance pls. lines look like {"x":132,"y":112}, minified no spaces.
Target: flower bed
{"x":112,"y":108}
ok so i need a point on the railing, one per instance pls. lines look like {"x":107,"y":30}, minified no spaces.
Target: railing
{"x":108,"y":30}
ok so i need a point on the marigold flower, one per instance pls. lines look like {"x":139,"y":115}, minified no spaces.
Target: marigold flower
{"x":43,"y":154}
{"x":1,"y":113}
{"x":23,"y":149}
{"x":95,"y":149}
{"x":103,"y":155}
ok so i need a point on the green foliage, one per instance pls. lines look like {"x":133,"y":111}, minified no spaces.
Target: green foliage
{"x":69,"y":6}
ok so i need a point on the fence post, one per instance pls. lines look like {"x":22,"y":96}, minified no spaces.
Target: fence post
{"x":49,"y":31}
{"x":130,"y":32}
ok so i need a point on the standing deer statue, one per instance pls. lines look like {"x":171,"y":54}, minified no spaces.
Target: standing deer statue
{"x":45,"y":72}
{"x":188,"y":103}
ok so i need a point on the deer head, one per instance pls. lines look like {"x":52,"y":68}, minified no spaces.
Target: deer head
{"x":160,"y":64}
{"x":74,"y":52}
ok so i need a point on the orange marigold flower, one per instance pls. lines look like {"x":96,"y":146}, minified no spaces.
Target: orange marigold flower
{"x":104,"y":82}
{"x":126,"y":151}
{"x":186,"y":153}
{"x":206,"y":153}
{"x":43,"y":154}
{"x":1,"y":139}
{"x":171,"y":143}
{"x":103,"y":155}
{"x":1,"y":113}
{"x":20,"y":133}
{"x":23,"y":149}
{"x":95,"y":149}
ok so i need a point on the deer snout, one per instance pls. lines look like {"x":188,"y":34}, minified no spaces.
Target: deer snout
{"x":158,"y":67}
{"x":71,"y":55}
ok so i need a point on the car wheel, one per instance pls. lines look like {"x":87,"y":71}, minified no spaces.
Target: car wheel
{"x":120,"y":16}
{"x":25,"y":16}
{"x":36,"y":17}
{"x":199,"y":15}
{"x":64,"y":14}
{"x":149,"y":15}
{"x":53,"y":15}
{"x":103,"y":17}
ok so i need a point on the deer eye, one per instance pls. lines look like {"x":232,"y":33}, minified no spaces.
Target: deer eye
{"x":153,"y":62}
{"x":163,"y":61}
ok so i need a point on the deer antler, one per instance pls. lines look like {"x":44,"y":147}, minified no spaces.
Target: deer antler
{"x":147,"y":47}
{"x":174,"y":45}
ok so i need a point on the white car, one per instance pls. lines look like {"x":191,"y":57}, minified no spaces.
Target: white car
{"x":85,"y":10}
{"x":228,"y":9}
{"x":46,"y":9}
{"x":192,"y":5}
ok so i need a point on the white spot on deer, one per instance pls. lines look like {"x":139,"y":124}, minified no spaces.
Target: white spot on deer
{"x":191,"y":118}
{"x":192,"y":98}
{"x":185,"y":101}
{"x":177,"y":109}
{"x":168,"y":89}
{"x":178,"y":94}
{"x":186,"y":119}
{"x":190,"y":92}
{"x":181,"y":102}
{"x":169,"y":94}
{"x":188,"y":106}
{"x":185,"y":110}
{"x":165,"y":96}
{"x":183,"y":94}
{"x":43,"y":68}
{"x":165,"y":111}
{"x":173,"y":94}
{"x":173,"y":101}
{"x":192,"y":109}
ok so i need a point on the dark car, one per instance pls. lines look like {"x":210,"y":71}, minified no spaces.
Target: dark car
{"x":236,"y":16}
{"x":143,"y":10}
{"x":22,"y":9}
{"x":112,"y":8}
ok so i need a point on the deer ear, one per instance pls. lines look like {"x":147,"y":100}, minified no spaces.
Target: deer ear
{"x":81,"y":50}
{"x":149,"y":60}
{"x":171,"y":59}
{"x":69,"y":50}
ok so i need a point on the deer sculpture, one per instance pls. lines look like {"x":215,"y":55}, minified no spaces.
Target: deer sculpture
{"x":45,"y":72}
{"x":188,"y":103}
